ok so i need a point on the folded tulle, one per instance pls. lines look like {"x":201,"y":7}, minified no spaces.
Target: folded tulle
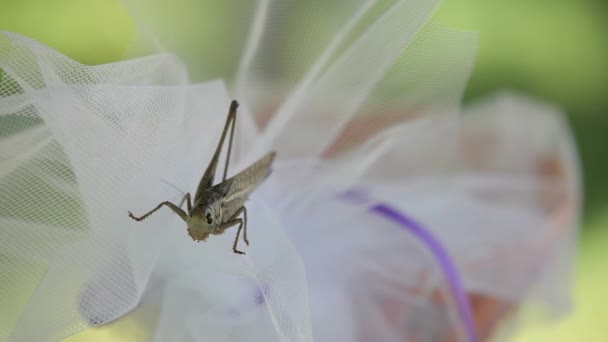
{"x":368,"y":130}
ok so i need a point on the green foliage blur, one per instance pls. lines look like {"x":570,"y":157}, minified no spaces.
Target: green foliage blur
{"x":553,"y":49}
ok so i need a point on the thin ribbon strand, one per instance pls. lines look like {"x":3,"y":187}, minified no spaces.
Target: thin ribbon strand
{"x":443,"y":259}
{"x":445,"y":262}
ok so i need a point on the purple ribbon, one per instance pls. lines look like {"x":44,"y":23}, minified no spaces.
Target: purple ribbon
{"x":424,"y":235}
{"x":443,"y":259}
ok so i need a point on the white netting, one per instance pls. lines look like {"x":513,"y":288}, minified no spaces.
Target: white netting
{"x":352,"y":94}
{"x":83,"y":146}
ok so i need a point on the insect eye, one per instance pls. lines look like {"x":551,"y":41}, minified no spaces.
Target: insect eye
{"x":209,"y":218}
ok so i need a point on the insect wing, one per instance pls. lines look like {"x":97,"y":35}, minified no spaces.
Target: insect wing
{"x":243,"y":183}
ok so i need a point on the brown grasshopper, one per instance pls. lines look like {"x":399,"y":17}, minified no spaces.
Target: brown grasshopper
{"x":217,"y":207}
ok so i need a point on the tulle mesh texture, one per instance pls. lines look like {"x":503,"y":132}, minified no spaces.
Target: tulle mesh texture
{"x":78,"y":139}
{"x":357,"y":94}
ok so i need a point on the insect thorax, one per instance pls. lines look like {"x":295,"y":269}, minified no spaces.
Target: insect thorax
{"x":210,"y":202}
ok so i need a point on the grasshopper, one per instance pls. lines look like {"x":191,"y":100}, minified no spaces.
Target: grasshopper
{"x":218,"y":207}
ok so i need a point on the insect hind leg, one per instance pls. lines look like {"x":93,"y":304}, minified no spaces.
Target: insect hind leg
{"x":232,"y":122}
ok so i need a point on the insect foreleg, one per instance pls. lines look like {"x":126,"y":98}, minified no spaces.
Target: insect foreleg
{"x":171,"y":206}
{"x":232,"y":221}
{"x":236,"y":238}
{"x":244,"y":210}
{"x":186,"y":199}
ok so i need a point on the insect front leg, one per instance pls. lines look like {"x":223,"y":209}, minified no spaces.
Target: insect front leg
{"x":244,"y":224}
{"x":188,"y":202}
{"x":232,"y":221}
{"x":235,"y":215}
{"x":236,"y":238}
{"x":171,"y":206}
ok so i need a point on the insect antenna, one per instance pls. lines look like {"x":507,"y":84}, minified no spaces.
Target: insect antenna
{"x":173,"y":186}
{"x":184,"y":198}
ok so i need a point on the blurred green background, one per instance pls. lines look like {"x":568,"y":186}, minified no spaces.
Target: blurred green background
{"x":556,"y":50}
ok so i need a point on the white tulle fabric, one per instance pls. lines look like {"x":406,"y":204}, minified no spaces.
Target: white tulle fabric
{"x":367,"y":98}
